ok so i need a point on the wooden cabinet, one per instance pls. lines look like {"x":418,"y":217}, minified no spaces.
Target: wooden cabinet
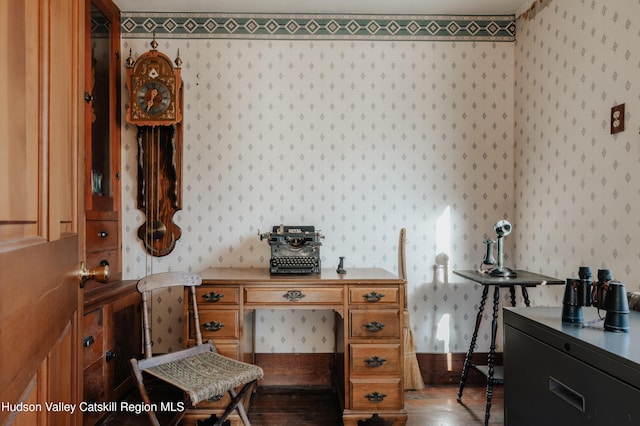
{"x":111,"y":332}
{"x":368,"y":302}
{"x":111,"y":336}
{"x":102,"y":139}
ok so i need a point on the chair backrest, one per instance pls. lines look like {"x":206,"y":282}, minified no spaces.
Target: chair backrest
{"x":163,"y":280}
{"x":168,"y":279}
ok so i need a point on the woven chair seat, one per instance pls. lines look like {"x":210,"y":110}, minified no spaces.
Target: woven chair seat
{"x":206,"y":375}
{"x":199,"y":371}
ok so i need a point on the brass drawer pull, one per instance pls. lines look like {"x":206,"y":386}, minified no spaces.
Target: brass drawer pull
{"x":374,"y":326}
{"x":110,"y":355}
{"x":213,"y":326}
{"x":375,"y":361}
{"x":293,"y":295}
{"x":102,"y":234}
{"x":375,"y":397}
{"x":213,"y":297}
{"x":373,"y":297}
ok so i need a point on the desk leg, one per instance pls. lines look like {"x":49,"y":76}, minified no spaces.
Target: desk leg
{"x":492,"y":352}
{"x":467,"y":359}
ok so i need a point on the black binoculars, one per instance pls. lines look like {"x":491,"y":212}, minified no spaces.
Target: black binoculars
{"x":606,"y":294}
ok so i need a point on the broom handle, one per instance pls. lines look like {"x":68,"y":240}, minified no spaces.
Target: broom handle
{"x":402,"y":263}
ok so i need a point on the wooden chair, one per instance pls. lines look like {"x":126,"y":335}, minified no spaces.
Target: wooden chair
{"x":201,"y":372}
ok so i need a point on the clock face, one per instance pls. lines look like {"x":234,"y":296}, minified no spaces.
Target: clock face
{"x":153,"y":98}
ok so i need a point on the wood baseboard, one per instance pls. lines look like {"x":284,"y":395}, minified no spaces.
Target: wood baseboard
{"x":445,"y":369}
{"x":284,"y":369}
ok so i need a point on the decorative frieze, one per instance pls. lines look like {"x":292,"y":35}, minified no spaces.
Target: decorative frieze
{"x":324,"y":26}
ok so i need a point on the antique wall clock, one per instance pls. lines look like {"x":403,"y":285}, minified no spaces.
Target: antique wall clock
{"x":154,"y":87}
{"x":155,"y":107}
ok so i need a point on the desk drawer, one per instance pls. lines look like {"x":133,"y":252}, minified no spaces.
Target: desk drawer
{"x":230,"y":349}
{"x":375,"y":323}
{"x":217,"y":296}
{"x":294,"y":296}
{"x":217,"y":324}
{"x":375,"y":359}
{"x":374,"y":295}
{"x":102,"y":235}
{"x":376,"y":394}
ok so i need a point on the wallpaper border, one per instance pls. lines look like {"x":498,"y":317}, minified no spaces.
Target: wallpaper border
{"x":500,"y":28}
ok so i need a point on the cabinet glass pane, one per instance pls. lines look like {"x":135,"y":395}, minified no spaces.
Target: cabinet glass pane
{"x":100,"y":125}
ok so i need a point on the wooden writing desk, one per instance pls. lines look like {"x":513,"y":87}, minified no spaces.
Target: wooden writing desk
{"x":368,"y":373}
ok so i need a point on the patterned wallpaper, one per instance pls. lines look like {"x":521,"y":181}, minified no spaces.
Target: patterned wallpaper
{"x":576,"y":194}
{"x":356,"y":136}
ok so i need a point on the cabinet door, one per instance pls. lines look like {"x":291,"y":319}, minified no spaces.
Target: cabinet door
{"x":102,"y":137}
{"x":124,"y":342}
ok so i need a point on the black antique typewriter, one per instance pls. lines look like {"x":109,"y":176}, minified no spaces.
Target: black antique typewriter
{"x":294,"y":249}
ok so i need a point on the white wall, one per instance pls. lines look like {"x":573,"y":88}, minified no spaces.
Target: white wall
{"x":576,"y":198}
{"x":356,"y":137}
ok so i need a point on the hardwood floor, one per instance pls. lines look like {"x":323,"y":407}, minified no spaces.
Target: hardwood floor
{"x":318,"y":406}
{"x":438,"y":405}
{"x":294,"y":405}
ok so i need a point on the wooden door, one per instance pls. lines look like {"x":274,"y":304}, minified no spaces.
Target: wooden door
{"x":40,"y":103}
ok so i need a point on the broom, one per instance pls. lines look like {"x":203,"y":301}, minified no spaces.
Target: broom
{"x":412,"y":375}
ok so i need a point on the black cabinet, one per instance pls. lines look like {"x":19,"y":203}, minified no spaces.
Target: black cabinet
{"x":557,"y":373}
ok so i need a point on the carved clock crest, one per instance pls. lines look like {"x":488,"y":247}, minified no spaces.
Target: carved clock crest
{"x":155,"y":106}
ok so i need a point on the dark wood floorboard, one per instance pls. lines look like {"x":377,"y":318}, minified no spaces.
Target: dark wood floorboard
{"x":318,"y":406}
{"x":438,"y":405}
{"x":308,"y":406}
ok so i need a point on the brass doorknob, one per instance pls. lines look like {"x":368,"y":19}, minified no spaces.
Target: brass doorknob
{"x":100,"y":274}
